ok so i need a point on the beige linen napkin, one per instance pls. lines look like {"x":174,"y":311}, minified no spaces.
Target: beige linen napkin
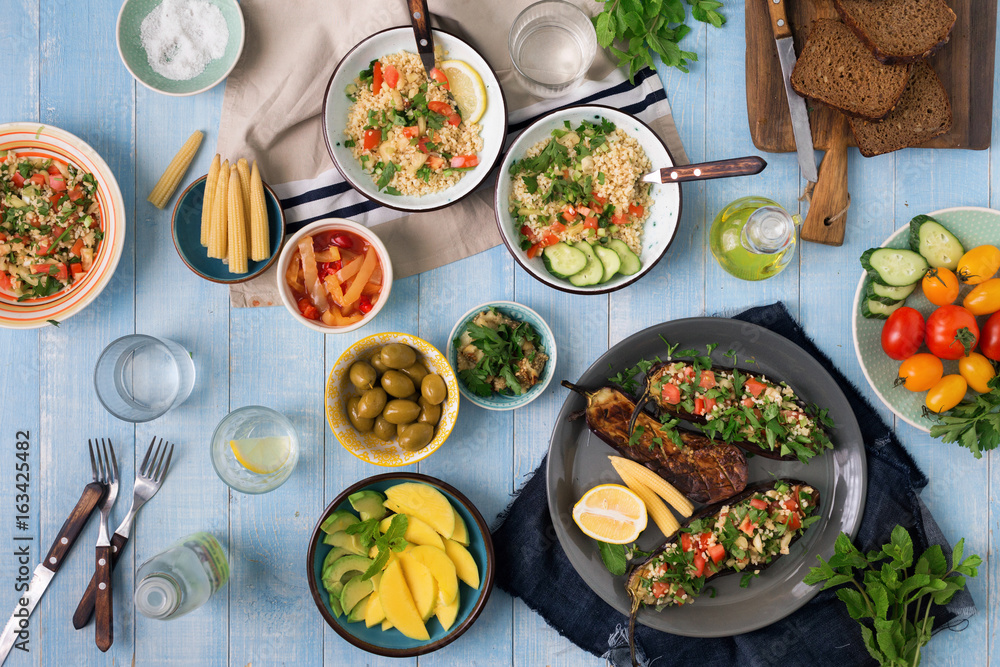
{"x":273,"y":105}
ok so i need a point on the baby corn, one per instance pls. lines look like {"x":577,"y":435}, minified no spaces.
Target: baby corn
{"x":178,"y":166}
{"x":654,"y":482}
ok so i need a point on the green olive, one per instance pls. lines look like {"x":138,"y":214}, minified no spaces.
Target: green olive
{"x":371,"y":403}
{"x":363,"y":424}
{"x":429,"y":413}
{"x":377,"y":364}
{"x":397,"y":355}
{"x":397,"y":385}
{"x":416,"y":436}
{"x":363,"y":376}
{"x":400,"y":411}
{"x":416,"y":372}
{"x":433,"y":389}
{"x":384,"y":430}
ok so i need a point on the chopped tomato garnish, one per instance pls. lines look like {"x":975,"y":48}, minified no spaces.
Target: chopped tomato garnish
{"x":463,"y":161}
{"x":534,"y":250}
{"x":40,"y":179}
{"x":709,"y":404}
{"x":440,"y":77}
{"x":686,"y":542}
{"x":557,"y":228}
{"x":707,"y":380}
{"x":77,"y":248}
{"x":754,"y":386}
{"x":528,"y":234}
{"x":635,"y":210}
{"x":699,"y":405}
{"x":790,"y":504}
{"x":54,"y":199}
{"x":377,"y":77}
{"x":747,"y":402}
{"x":590,"y":222}
{"x":76,"y":268}
{"x":61,"y":272}
{"x":549,"y":239}
{"x":52,"y":169}
{"x":660,"y":588}
{"x":599,"y":200}
{"x":75,"y":193}
{"x":454,"y":119}
{"x":391,"y":76}
{"x":372,"y":138}
{"x":747,"y":526}
{"x":5,"y":282}
{"x":18,"y":179}
{"x":703,"y":540}
{"x":795,"y":523}
{"x":57,"y":182}
{"x":435,"y":162}
{"x":618,"y":219}
{"x":583,"y":210}
{"x":410,"y":132}
{"x":422,"y":144}
{"x":758,"y":503}
{"x":699,"y":565}
{"x":671,"y":393}
{"x":442,"y":108}
{"x":717,"y":552}
{"x":309,"y":311}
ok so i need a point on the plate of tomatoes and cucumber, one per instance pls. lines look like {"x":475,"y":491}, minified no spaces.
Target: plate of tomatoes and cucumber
{"x":926,"y":318}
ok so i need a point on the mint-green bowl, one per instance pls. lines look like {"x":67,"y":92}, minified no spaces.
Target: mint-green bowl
{"x":134,"y":56}
{"x":973,"y":226}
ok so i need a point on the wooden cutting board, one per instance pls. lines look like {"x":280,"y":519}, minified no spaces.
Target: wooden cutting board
{"x":965,"y":65}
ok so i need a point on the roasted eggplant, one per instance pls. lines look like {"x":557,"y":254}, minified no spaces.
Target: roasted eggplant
{"x":745,"y":533}
{"x":703,"y":469}
{"x":760,"y":416}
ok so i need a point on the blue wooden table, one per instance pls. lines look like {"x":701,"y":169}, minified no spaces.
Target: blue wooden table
{"x":60,"y":66}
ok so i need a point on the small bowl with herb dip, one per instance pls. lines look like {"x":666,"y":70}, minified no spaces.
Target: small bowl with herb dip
{"x":503,"y":353}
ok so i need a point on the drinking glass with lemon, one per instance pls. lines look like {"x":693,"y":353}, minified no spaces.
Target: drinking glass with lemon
{"x":254,"y":449}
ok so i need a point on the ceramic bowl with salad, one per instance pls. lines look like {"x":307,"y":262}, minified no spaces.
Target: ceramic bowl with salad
{"x":503,"y":353}
{"x":571,"y":205}
{"x":62,"y":225}
{"x":409,"y":139}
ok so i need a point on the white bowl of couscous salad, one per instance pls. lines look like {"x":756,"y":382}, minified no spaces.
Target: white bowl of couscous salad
{"x":408,"y":139}
{"x":571,"y":205}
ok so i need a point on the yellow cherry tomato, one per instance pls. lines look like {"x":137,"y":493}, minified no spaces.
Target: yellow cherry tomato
{"x":977,"y":371}
{"x":920,"y":372}
{"x":947,"y":393}
{"x":979,"y":264}
{"x":940,"y":286}
{"x":984,"y":298}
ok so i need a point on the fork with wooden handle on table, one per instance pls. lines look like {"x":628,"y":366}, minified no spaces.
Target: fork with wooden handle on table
{"x":148,"y":479}
{"x":107,"y":464}
{"x":46,"y":570}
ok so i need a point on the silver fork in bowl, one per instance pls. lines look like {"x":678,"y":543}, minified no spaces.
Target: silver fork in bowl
{"x":148,"y":479}
{"x":107,"y":464}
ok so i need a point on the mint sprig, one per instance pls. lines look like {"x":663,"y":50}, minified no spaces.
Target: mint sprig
{"x":392,"y":540}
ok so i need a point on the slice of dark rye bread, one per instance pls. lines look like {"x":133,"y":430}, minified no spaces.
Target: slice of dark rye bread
{"x":923,"y":112}
{"x":838,"y":70}
{"x":899,"y":31}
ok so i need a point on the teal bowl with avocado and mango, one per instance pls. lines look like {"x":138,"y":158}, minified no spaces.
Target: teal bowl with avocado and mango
{"x":339,"y":556}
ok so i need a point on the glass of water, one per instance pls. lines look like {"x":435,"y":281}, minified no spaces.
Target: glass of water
{"x":552,"y":45}
{"x":139,"y":378}
{"x":254,"y":449}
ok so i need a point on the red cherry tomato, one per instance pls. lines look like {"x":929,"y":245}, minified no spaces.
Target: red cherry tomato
{"x":903,"y":333}
{"x":952,"y":332}
{"x":989,"y":342}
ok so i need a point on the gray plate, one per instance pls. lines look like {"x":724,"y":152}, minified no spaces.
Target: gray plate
{"x":578,"y":461}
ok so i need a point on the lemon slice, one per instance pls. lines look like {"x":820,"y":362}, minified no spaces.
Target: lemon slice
{"x":262,"y":455}
{"x":611,"y":513}
{"x":467,"y":88}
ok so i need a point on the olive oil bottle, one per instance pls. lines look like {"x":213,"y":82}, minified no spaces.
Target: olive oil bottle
{"x":753,"y":238}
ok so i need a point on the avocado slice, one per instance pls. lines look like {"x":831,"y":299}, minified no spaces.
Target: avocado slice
{"x":368,"y":503}
{"x":344,"y":568}
{"x":354,"y":591}
{"x":338,"y":521}
{"x":333,"y":555}
{"x":338,"y":588}
{"x":350,"y":542}
{"x":359,"y":611}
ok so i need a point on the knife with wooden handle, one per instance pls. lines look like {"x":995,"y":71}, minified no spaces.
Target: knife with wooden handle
{"x":796,"y":105}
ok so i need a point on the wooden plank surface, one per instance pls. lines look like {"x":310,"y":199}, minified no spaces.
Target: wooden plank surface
{"x":964,"y":64}
{"x":264,"y":616}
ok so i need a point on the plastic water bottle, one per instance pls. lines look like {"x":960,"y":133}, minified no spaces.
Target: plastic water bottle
{"x":182,"y":578}
{"x":753,"y":238}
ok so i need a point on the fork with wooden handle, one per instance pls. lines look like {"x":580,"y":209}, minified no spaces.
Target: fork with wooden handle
{"x":107,"y":464}
{"x":147,"y":482}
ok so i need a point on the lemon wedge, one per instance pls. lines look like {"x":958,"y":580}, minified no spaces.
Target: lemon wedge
{"x":467,"y":88}
{"x":611,"y":513}
{"x":262,"y":455}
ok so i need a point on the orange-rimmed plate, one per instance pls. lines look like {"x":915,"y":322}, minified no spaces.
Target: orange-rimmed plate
{"x":40,"y":140}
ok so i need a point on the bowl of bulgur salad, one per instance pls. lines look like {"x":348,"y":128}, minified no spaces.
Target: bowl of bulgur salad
{"x":62,"y":225}
{"x":572,"y":207}
{"x":403,"y":137}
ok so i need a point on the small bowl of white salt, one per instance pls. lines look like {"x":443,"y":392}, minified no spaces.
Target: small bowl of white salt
{"x":180,"y":47}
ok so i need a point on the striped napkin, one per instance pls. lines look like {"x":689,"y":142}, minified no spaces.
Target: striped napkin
{"x":273,"y":106}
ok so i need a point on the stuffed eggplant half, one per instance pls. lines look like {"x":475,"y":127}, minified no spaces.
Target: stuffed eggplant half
{"x":702,"y":469}
{"x":746,"y":533}
{"x":757,"y":414}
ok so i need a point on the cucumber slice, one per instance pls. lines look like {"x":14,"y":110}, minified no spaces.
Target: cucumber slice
{"x":563,"y":260}
{"x":591,"y":274}
{"x":877,"y":310}
{"x":894,"y":266}
{"x":611,"y":261}
{"x":630,"y":261}
{"x":934,"y":242}
{"x":887,"y":291}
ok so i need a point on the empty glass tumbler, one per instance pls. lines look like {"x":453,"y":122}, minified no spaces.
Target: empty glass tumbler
{"x":552,"y":44}
{"x":139,"y":378}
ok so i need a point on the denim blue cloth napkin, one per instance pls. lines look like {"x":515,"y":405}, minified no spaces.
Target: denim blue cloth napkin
{"x":532,"y":565}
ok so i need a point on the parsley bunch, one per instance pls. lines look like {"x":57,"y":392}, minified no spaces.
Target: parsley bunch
{"x":897,"y":600}
{"x":975,"y":424}
{"x":392,"y":540}
{"x":660,"y":25}
{"x":503,"y":350}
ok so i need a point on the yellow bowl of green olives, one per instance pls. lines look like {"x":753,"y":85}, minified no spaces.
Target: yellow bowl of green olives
{"x":392,"y":399}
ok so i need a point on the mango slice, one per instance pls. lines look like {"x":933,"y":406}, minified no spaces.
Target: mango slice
{"x":398,"y":604}
{"x":446,"y":614}
{"x":426,"y":503}
{"x":465,"y":564}
{"x":461,"y":534}
{"x":442,"y":569}
{"x":420,"y":583}
{"x":417,"y":532}
{"x":374,"y":614}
